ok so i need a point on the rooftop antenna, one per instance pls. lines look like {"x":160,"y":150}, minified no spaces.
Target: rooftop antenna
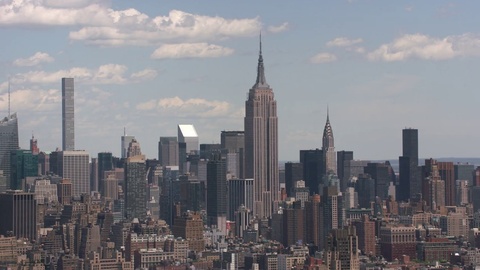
{"x":124,"y":131}
{"x":8,"y":96}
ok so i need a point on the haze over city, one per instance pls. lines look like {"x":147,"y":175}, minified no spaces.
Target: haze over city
{"x":149,"y":66}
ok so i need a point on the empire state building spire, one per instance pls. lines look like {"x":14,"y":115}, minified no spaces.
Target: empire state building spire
{"x":261,"y":81}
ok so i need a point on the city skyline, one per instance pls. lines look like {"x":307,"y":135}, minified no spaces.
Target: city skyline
{"x":414,"y":70}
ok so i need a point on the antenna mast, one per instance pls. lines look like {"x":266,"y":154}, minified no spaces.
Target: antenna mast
{"x":9,"y":97}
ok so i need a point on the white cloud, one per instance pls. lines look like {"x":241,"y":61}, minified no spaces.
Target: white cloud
{"x":323,"y":58}
{"x":71,"y":3}
{"x":428,"y":48}
{"x":104,"y":74}
{"x":37,"y":58}
{"x":190,"y":50}
{"x":343,"y":42}
{"x":278,"y":28}
{"x":101,"y":25}
{"x":194,"y":107}
{"x":32,"y":100}
{"x":146,"y":74}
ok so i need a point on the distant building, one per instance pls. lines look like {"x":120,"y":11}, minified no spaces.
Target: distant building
{"x":188,"y":135}
{"x":68,"y":115}
{"x":34,"y":146}
{"x":240,"y":193}
{"x":135,"y":188}
{"x":18,"y":210}
{"x":125,"y":142}
{"x":464,"y":172}
{"x":342,"y":249}
{"x":293,"y":173}
{"x":313,"y":169}
{"x":190,"y":227}
{"x":342,"y":158}
{"x":105,"y":163}
{"x":409,"y":183}
{"x":168,"y":151}
{"x":23,"y":164}
{"x":261,"y":144}
{"x":396,"y":241}
{"x":447,"y":174}
{"x":216,"y":192}
{"x":233,"y":145}
{"x":329,"y":148}
{"x":8,"y":142}
{"x":64,"y":191}
{"x":75,"y":165}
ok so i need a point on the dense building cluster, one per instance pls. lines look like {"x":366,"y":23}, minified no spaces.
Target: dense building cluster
{"x":232,"y":205}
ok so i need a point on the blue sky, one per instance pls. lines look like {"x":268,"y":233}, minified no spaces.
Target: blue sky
{"x":148,"y":66}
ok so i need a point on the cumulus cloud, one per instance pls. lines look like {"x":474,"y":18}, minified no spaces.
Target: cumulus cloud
{"x":428,"y":48}
{"x":190,"y":50}
{"x":37,"y":58}
{"x":194,"y":107}
{"x":102,"y":25}
{"x":323,"y":58}
{"x":32,"y":99}
{"x":344,"y":42}
{"x":104,"y":74}
{"x":278,"y":28}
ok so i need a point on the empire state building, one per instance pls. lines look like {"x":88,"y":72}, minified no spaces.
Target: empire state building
{"x":261,"y":144}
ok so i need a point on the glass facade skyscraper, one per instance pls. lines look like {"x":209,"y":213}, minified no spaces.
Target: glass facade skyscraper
{"x":8,"y":142}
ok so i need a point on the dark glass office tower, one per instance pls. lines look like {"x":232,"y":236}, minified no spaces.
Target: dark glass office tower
{"x":8,"y":142}
{"x":23,"y":164}
{"x":18,"y":210}
{"x":135,"y":188}
{"x":216,"y":190}
{"x":105,"y":163}
{"x":313,"y":169}
{"x":342,"y":170}
{"x":293,"y":173}
{"x":410,"y":183}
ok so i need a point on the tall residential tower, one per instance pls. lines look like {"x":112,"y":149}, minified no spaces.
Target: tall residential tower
{"x":261,"y":144}
{"x":68,"y":115}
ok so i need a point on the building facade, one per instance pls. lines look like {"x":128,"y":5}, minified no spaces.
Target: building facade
{"x":8,"y":142}
{"x":261,"y":144}
{"x":68,"y":115}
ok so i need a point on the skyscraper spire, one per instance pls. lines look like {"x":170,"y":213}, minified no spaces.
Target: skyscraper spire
{"x":261,"y":81}
{"x":328,"y":114}
{"x":329,"y":146}
{"x":8,"y":97}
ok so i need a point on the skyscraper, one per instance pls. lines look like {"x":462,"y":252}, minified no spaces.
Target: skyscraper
{"x":313,"y":169}
{"x":168,"y":151}
{"x":8,"y":142}
{"x":135,"y":187}
{"x":68,"y":115}
{"x":329,"y":148}
{"x":261,"y":144}
{"x":216,"y":191}
{"x":105,"y":163}
{"x":409,"y":181}
{"x":342,"y":159}
{"x":75,"y":166}
{"x":18,"y":214}
{"x":23,"y":164}
{"x":125,"y":141}
{"x":188,"y":135}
